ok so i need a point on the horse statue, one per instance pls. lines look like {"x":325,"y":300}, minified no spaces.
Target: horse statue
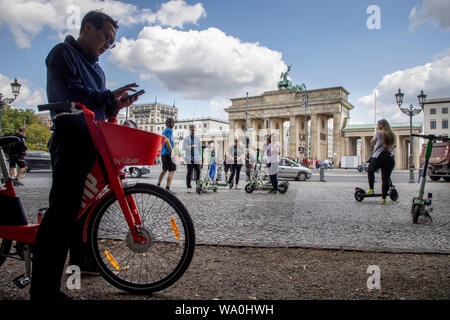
{"x":286,"y":84}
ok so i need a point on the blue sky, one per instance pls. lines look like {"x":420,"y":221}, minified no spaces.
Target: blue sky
{"x":202,"y":53}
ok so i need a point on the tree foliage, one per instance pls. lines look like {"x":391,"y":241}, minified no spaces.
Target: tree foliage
{"x":37,"y":135}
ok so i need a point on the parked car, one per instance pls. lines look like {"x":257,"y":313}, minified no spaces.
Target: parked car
{"x":136,"y":172}
{"x":38,"y":160}
{"x":290,"y":169}
{"x":439,"y":163}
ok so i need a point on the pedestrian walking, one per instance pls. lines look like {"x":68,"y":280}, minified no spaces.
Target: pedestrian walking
{"x":16,"y":153}
{"x":191,"y":147}
{"x":167,"y":155}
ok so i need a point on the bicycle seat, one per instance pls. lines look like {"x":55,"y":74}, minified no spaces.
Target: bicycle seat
{"x":8,"y":139}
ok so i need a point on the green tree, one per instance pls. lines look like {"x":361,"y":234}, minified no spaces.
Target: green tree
{"x":37,"y":135}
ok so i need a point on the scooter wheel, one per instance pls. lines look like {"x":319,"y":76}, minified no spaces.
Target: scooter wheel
{"x":249,"y":188}
{"x":394,"y":195}
{"x":416,"y":213}
{"x":359,"y":195}
{"x":283,"y":188}
{"x":199,"y":189}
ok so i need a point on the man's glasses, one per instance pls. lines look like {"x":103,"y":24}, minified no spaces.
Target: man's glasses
{"x":108,"y":40}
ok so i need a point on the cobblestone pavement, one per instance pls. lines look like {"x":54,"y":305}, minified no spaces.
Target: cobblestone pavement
{"x":310,"y":215}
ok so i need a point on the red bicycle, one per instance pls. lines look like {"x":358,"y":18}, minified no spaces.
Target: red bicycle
{"x":142,"y":236}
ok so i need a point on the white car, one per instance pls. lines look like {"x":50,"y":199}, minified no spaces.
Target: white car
{"x":137,"y":171}
{"x":290,"y":169}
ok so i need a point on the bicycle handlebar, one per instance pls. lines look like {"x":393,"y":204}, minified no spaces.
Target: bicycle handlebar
{"x":63,"y":106}
{"x":431,"y":137}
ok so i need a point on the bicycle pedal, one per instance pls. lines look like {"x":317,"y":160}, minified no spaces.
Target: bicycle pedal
{"x":22,"y":281}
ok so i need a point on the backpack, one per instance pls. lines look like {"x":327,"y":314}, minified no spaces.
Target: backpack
{"x":14,"y":147}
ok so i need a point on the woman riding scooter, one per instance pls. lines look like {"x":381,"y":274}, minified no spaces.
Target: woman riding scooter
{"x":382,"y":158}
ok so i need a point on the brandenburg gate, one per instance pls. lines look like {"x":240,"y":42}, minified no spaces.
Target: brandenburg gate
{"x":308,"y":133}
{"x":268,"y":112}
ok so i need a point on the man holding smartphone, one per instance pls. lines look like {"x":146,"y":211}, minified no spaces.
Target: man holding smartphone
{"x":73,"y":74}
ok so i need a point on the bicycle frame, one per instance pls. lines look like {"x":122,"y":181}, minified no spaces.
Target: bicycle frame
{"x":106,"y":173}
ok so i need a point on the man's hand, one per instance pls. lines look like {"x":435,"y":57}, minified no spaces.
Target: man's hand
{"x":121,"y":94}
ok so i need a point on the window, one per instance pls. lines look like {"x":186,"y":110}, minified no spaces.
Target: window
{"x":445,"y":124}
{"x":220,"y":128}
{"x":205,"y":125}
{"x":432,"y":110}
{"x":185,"y":126}
{"x":444,"y":110}
{"x":432,"y":124}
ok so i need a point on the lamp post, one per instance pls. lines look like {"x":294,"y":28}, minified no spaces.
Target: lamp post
{"x":15,"y":88}
{"x":411,"y":112}
{"x":305,"y":101}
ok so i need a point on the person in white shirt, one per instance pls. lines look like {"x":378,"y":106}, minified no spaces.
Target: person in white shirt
{"x":192,"y":147}
{"x":272,"y":148}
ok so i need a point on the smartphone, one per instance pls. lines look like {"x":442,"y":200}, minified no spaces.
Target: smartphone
{"x":136,"y":94}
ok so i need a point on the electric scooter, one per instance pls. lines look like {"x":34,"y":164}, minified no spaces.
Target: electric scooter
{"x":360,"y":193}
{"x":421,"y":206}
{"x":208,"y":183}
{"x":257,"y":182}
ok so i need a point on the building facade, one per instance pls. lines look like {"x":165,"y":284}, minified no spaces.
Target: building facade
{"x":357,"y":142}
{"x":148,"y":116}
{"x":436,"y":116}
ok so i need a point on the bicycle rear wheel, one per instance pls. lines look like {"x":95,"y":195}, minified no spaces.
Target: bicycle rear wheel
{"x":150,"y":267}
{"x":5,"y":246}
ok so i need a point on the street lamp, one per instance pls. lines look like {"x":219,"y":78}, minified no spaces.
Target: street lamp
{"x":411,"y":112}
{"x":15,"y":88}
{"x":305,"y":101}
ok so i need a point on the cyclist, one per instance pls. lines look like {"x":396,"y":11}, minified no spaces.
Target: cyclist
{"x":383,"y":157}
{"x":73,"y":73}
{"x":16,"y":154}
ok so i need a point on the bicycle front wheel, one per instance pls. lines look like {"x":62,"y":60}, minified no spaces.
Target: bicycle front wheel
{"x":167,"y":253}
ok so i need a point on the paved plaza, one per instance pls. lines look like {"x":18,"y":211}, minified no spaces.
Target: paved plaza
{"x":311,"y":214}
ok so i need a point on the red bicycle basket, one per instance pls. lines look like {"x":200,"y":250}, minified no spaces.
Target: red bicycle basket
{"x":129,"y":146}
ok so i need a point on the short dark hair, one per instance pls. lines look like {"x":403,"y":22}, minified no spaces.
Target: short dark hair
{"x":21,"y":129}
{"x":98,"y":19}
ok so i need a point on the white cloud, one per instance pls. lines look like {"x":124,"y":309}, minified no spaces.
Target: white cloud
{"x":433,"y":78}
{"x":26,"y":18}
{"x":205,"y":64}
{"x":437,"y":11}
{"x":218,"y":108}
{"x":176,"y":13}
{"x":27,"y":98}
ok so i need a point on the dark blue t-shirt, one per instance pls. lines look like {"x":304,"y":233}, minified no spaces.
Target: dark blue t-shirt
{"x":167,"y":133}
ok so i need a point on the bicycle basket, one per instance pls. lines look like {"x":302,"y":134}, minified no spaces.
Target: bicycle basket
{"x":129,"y":146}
